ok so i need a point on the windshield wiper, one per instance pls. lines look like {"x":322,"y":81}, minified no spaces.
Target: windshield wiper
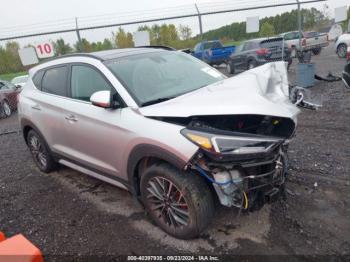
{"x":157,"y":100}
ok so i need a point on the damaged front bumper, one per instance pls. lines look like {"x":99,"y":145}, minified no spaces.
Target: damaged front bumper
{"x":247,"y":183}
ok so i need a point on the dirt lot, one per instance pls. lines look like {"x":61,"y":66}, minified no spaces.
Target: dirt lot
{"x":70,"y":216}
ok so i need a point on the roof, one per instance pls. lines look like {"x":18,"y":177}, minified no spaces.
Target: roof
{"x":117,"y":53}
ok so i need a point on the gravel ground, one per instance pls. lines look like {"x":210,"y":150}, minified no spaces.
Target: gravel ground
{"x":72,"y":217}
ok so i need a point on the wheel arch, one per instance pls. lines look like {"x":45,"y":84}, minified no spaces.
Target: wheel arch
{"x":26,"y":126}
{"x":145,"y":155}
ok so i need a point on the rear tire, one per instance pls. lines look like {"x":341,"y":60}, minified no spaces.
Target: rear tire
{"x":342,"y":51}
{"x":6,"y":109}
{"x":179,"y":202}
{"x":40,"y":152}
{"x":317,"y":51}
{"x":230,"y":68}
{"x":251,"y":64}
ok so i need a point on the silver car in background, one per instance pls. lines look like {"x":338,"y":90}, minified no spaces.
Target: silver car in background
{"x":165,"y":126}
{"x":20,"y":81}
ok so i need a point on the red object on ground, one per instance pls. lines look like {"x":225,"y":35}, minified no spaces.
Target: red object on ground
{"x":2,"y":236}
{"x":18,"y":249}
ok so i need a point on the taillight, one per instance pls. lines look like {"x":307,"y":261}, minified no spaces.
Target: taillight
{"x":303,"y":43}
{"x":262,"y":51}
{"x":349,"y":53}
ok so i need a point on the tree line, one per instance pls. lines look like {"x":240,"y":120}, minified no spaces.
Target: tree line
{"x":178,"y":37}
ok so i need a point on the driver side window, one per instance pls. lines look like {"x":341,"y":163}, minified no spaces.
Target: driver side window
{"x":85,"y":81}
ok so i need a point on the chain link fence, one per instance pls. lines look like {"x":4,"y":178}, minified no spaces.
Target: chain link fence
{"x":279,"y":37}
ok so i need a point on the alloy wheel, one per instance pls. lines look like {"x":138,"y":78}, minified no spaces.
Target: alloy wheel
{"x":168,"y":202}
{"x":38,"y":151}
{"x":7,"y":109}
{"x":228,"y":68}
{"x":342,"y":50}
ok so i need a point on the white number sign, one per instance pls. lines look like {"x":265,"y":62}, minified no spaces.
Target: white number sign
{"x":44,"y":50}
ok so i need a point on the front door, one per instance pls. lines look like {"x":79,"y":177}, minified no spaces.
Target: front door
{"x":94,"y":131}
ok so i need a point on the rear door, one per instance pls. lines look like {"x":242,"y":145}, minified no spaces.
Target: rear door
{"x":248,"y":53}
{"x":198,"y":51}
{"x":238,"y":57}
{"x":48,"y":107}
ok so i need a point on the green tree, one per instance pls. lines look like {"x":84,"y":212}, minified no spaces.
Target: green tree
{"x":123,"y":39}
{"x":267,"y":30}
{"x":107,"y":44}
{"x":84,"y":46}
{"x":61,"y":47}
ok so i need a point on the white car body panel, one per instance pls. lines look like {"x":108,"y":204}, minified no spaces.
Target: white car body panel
{"x":343,"y":39}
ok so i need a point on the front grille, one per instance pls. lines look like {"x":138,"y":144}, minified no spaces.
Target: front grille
{"x":263,"y":174}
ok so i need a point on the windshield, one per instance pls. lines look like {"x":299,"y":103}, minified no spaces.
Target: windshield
{"x":163,"y":75}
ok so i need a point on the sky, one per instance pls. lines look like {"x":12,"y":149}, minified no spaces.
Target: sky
{"x":45,"y":15}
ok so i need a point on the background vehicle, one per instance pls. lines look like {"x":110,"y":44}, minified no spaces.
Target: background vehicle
{"x":257,"y":52}
{"x":311,"y":41}
{"x":20,"y":81}
{"x":148,"y":120}
{"x":8,"y":98}
{"x":342,"y":44}
{"x":346,"y":72}
{"x":213,"y":52}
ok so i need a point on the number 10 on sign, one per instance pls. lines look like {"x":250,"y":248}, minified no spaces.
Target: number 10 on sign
{"x":44,"y":50}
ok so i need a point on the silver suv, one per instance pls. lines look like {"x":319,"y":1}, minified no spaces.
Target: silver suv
{"x":167,"y":127}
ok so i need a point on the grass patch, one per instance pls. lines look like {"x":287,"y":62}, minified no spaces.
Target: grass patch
{"x":230,"y":43}
{"x":10,"y":76}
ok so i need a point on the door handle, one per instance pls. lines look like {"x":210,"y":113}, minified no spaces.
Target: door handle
{"x":71,"y":118}
{"x":36,"y":107}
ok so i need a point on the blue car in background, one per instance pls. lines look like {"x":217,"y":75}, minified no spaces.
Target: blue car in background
{"x":213,"y":52}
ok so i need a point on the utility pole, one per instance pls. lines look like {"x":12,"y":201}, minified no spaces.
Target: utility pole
{"x":200,"y":22}
{"x":299,"y":23}
{"x":80,"y":44}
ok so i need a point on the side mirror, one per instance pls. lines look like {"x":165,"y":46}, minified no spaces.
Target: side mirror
{"x":101,"y":99}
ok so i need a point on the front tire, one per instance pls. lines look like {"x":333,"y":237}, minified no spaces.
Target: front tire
{"x":40,"y":152}
{"x":342,"y":51}
{"x":179,"y":202}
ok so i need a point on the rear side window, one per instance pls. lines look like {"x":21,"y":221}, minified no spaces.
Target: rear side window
{"x":55,"y":81}
{"x":251,"y":45}
{"x":37,"y":79}
{"x":210,"y":45}
{"x":85,"y":81}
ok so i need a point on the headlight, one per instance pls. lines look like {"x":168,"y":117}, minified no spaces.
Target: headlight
{"x":239,"y":144}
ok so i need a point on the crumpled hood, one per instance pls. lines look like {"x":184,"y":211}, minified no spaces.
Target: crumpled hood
{"x":261,"y":91}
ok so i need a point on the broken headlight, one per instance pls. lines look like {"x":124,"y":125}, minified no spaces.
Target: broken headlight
{"x":238,"y":144}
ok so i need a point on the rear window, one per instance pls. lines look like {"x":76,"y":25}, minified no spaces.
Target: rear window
{"x":271,"y":43}
{"x":37,"y":79}
{"x":210,"y":45}
{"x":310,"y":34}
{"x":55,"y":81}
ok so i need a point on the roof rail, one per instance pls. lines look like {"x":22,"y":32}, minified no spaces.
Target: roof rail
{"x":159,"y":47}
{"x":77,"y":54}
